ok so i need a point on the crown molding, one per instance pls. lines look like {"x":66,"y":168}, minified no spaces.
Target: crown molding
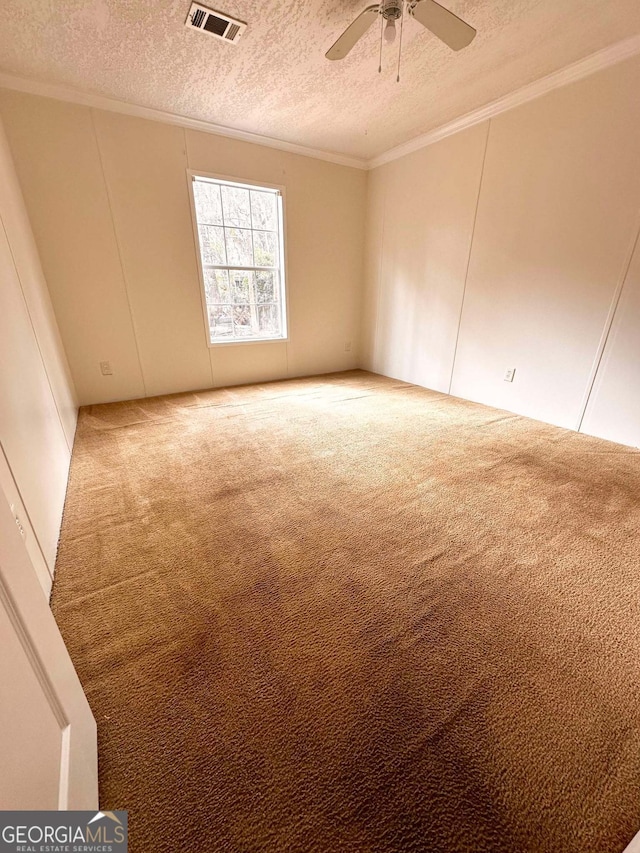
{"x":101,"y":102}
{"x":598,"y":61}
{"x":604,"y":58}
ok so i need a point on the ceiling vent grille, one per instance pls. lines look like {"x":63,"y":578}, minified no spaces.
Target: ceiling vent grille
{"x":214,"y":23}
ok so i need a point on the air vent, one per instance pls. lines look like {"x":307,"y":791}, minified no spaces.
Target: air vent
{"x":214,"y":23}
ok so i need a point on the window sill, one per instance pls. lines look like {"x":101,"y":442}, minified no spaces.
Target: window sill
{"x":245,"y":343}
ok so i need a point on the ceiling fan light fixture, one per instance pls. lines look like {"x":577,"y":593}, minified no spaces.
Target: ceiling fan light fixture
{"x":390,"y":31}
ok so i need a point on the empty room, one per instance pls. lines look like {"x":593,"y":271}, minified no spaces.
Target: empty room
{"x":320,"y":426}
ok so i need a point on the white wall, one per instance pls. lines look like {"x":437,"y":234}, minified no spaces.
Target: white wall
{"x":108,"y":200}
{"x":37,"y":401}
{"x":505,"y":246}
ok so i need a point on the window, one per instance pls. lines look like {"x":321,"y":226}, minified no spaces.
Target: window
{"x":240,"y":234}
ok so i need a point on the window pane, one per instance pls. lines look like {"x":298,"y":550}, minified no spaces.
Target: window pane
{"x":208,"y":203}
{"x":242,"y":321}
{"x":212,"y":244}
{"x":240,"y":286}
{"x":239,"y":235}
{"x":220,"y":321}
{"x":265,"y":249}
{"x":265,"y":286}
{"x":236,"y":207}
{"x":264,"y":210}
{"x":239,"y":249}
{"x":269,"y":319}
{"x":216,"y":286}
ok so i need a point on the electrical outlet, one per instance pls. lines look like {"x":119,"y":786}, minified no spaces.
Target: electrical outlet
{"x":347,"y":346}
{"x":509,"y":374}
{"x":105,"y":368}
{"x":18,"y":522}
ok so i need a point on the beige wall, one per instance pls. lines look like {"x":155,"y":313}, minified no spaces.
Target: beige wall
{"x":614,"y":405}
{"x":108,"y":199}
{"x":37,"y":400}
{"x":505,"y":246}
{"x":421,"y":214}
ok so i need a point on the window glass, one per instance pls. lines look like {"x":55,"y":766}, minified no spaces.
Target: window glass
{"x":240,"y":240}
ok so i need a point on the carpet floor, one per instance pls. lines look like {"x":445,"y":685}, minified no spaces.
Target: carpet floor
{"x":349,"y":614}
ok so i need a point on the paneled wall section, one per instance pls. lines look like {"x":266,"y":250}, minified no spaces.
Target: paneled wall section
{"x":108,"y":199}
{"x":509,"y":245}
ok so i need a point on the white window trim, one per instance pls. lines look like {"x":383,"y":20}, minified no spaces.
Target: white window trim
{"x":196,"y":173}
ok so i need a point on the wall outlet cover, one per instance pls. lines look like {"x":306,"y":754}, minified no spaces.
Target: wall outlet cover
{"x":510,"y":374}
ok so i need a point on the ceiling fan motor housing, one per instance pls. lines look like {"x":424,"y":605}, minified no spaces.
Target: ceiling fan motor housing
{"x":391,"y":10}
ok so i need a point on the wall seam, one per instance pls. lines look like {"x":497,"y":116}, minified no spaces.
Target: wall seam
{"x":119,"y":250}
{"x":379,"y":282}
{"x":362,"y":302}
{"x":608,"y":325}
{"x":466,"y":272}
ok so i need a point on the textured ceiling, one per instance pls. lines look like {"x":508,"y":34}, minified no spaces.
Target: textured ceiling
{"x":276,"y":81}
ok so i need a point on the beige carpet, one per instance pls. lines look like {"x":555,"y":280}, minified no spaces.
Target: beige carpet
{"x":348,"y":614}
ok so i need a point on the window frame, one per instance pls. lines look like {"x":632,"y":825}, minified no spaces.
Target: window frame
{"x":194,"y":174}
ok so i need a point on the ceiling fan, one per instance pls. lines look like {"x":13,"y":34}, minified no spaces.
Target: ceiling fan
{"x":449,"y":28}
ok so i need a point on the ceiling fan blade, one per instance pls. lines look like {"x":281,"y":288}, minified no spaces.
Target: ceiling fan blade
{"x":353,"y":33}
{"x":451,"y":29}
